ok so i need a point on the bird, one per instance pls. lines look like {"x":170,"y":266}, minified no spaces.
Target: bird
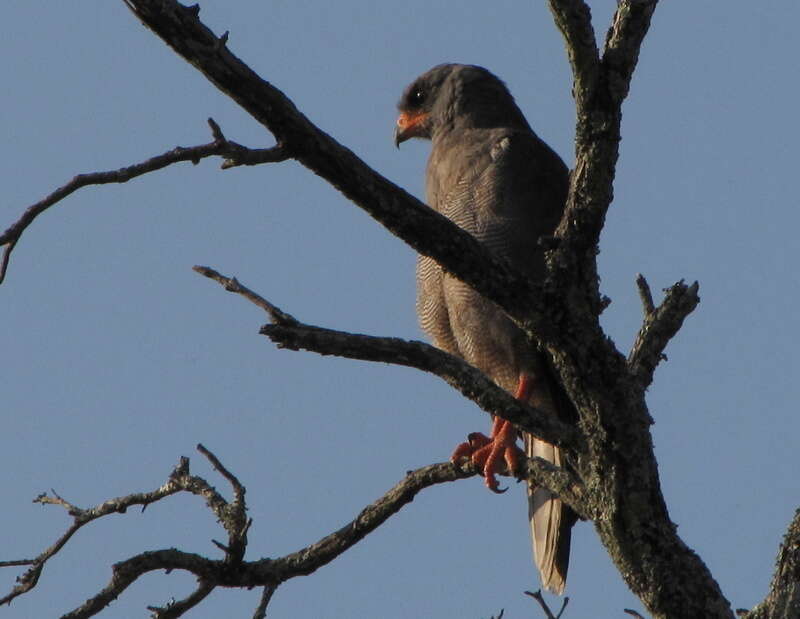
{"x":490,"y":174}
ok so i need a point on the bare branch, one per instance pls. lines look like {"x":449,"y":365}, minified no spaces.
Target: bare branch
{"x":231,"y":284}
{"x":453,"y":370}
{"x":784,"y":590}
{"x":659,"y":326}
{"x":235,"y":154}
{"x":127,"y":572}
{"x":287,"y":332}
{"x":233,"y":515}
{"x":645,"y":295}
{"x":311,"y":558}
{"x":599,"y":89}
{"x":268,"y":573}
{"x":574,"y":19}
{"x":178,"y":608}
{"x":16,"y":562}
{"x":629,"y":26}
{"x":266,"y":596}
{"x":179,"y":480}
{"x":81,"y":517}
{"x":537,"y":595}
{"x":238,"y":489}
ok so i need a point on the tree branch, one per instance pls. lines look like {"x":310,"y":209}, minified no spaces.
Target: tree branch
{"x":659,"y":327}
{"x":629,"y":26}
{"x":266,"y":596}
{"x":599,"y":89}
{"x":574,"y":19}
{"x":178,"y":608}
{"x":537,"y":595}
{"x":783,"y":600}
{"x":270,"y":573}
{"x":235,"y":154}
{"x":179,"y":481}
{"x":232,"y":571}
{"x":287,"y":332}
{"x":231,"y":284}
{"x":81,"y":517}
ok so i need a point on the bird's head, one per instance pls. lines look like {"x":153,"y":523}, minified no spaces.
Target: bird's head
{"x":454,"y":96}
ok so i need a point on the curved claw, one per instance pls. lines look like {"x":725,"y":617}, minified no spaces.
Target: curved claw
{"x":491,"y":453}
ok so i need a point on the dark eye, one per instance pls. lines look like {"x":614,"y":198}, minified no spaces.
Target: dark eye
{"x":417,"y":97}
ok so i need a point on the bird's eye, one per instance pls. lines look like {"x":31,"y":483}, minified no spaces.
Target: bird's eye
{"x":417,"y":97}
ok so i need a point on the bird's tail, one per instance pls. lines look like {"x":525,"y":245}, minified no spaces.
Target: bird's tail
{"x":551,"y":523}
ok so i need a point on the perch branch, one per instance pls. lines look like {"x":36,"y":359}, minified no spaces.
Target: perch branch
{"x":287,"y":332}
{"x":470,"y":381}
{"x":267,"y":573}
{"x":235,"y":154}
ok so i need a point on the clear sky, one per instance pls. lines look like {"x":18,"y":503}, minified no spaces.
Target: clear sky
{"x":118,"y":359}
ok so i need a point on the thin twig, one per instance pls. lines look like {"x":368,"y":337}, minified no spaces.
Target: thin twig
{"x":645,"y":295}
{"x":16,"y":562}
{"x":266,"y":596}
{"x":238,"y":488}
{"x":179,"y":607}
{"x":271,"y":572}
{"x":179,"y":480}
{"x":537,"y":595}
{"x":231,"y":284}
{"x":659,"y":326}
{"x":235,"y":154}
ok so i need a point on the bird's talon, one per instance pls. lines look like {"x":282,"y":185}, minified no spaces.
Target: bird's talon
{"x":478,"y":440}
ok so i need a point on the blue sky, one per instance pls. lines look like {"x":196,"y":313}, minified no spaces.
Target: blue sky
{"x":118,"y":359}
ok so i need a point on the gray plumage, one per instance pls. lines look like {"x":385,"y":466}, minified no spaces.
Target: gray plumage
{"x":490,"y":174}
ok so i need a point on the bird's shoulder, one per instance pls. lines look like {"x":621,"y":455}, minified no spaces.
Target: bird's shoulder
{"x":505,"y":171}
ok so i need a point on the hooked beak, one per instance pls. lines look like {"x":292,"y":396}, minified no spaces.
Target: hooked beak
{"x":409,"y":125}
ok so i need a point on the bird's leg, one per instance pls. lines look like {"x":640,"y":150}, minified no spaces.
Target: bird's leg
{"x":486,"y":451}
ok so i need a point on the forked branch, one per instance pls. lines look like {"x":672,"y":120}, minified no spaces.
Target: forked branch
{"x":659,"y":326}
{"x":232,"y":571}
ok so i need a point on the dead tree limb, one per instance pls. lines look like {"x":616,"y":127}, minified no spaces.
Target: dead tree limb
{"x":234,"y":155}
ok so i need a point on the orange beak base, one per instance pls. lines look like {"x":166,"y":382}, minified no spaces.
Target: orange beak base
{"x":409,"y":125}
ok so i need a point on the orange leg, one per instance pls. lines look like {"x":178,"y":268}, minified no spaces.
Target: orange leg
{"x":486,"y":452}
